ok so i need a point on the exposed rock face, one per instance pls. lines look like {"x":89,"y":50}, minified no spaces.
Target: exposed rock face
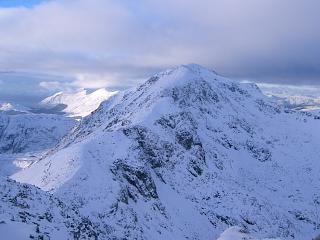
{"x":136,"y":177}
{"x":186,"y":155}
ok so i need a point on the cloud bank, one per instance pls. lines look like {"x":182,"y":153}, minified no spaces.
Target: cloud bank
{"x":115,"y":43}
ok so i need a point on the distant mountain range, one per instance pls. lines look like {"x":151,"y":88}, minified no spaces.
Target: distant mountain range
{"x":81,"y":103}
{"x":293,"y":97}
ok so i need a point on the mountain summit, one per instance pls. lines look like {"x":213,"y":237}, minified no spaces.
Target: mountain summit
{"x":186,"y":155}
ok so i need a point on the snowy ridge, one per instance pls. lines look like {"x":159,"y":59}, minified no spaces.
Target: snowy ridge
{"x":78,"y":104}
{"x":186,"y":155}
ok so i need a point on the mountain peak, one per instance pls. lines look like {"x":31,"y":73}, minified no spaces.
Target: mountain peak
{"x":180,"y":76}
{"x":190,"y":68}
{"x":184,"y":88}
{"x":196,"y":68}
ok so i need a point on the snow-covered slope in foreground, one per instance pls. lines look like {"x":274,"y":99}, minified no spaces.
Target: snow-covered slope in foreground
{"x":26,"y":212}
{"x":186,"y":155}
{"x":78,"y":104}
{"x":237,"y":233}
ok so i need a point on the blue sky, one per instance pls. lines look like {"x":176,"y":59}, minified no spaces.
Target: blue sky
{"x":116,"y":44}
{"x":18,"y":3}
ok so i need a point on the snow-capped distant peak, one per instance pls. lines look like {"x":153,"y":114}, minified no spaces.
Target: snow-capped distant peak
{"x":6,"y":106}
{"x":10,"y":107}
{"x":77,"y":104}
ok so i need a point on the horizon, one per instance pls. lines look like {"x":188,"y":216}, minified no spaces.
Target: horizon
{"x":30,"y":95}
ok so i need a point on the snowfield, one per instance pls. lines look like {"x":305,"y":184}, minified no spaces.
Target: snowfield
{"x":186,"y":155}
{"x":78,"y":104}
{"x":237,"y":233}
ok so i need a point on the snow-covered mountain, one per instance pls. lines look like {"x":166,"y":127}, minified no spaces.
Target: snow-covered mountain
{"x":186,"y":155}
{"x":77,"y":104}
{"x":294,"y":97}
{"x":31,"y":132}
{"x":24,"y":138}
{"x":10,"y":108}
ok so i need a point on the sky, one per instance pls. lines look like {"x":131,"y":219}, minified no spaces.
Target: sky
{"x":19,"y":3}
{"x":52,"y":45}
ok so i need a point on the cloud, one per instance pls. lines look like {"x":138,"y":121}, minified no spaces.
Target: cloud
{"x":54,"y":86}
{"x":50,"y":85}
{"x":27,"y":88}
{"x":117,"y":43}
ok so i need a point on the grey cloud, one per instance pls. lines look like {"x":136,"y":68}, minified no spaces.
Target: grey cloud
{"x":117,"y":43}
{"x":25,"y":87}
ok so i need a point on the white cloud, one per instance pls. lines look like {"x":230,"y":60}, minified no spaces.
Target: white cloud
{"x":95,"y":80}
{"x":55,"y":86}
{"x":111,"y":42}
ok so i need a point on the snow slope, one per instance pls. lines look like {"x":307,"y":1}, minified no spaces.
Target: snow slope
{"x":24,"y":138}
{"x":186,"y":155}
{"x":78,"y":104}
{"x":31,"y":132}
{"x":237,"y":233}
{"x":26,"y":212}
